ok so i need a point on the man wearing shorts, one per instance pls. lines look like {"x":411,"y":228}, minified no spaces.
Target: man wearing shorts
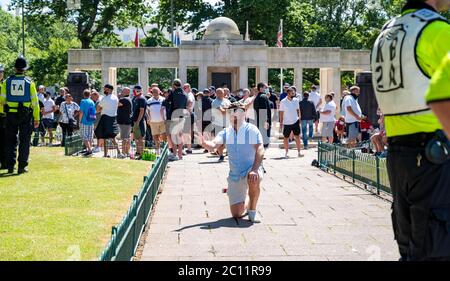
{"x":107,"y":126}
{"x":327,"y":118}
{"x":290,"y":120}
{"x":218,"y":112}
{"x":353,"y":115}
{"x":87,"y":106}
{"x":156,"y":118}
{"x":139,"y":124}
{"x":245,"y":148}
{"x":48,"y":110}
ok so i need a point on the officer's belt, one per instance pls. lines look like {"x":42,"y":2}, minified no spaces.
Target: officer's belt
{"x":413,"y":140}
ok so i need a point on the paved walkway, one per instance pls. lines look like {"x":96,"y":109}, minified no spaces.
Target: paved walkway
{"x":306,"y":215}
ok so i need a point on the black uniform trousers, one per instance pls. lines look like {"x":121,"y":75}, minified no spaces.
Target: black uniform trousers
{"x":22,"y":126}
{"x":3,"y":142}
{"x":421,"y":202}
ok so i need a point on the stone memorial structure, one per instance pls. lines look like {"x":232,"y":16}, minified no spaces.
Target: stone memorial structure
{"x":223,"y":56}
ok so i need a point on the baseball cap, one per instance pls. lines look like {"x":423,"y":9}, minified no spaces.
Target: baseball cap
{"x":194,"y":90}
{"x":286,"y":85}
{"x":137,"y":87}
{"x":2,"y":69}
{"x":212,"y":88}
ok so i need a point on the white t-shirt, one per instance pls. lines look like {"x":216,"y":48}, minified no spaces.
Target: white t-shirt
{"x":41,"y":97}
{"x":328,"y":117}
{"x":48,"y":105}
{"x":290,"y":107}
{"x":154,"y":106}
{"x":191,"y":98}
{"x":350,"y":101}
{"x":315,"y":98}
{"x":109,"y":105}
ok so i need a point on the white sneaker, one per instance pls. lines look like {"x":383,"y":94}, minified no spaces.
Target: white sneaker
{"x":96,"y":149}
{"x":300,"y":155}
{"x":253,"y":216}
{"x":286,"y":155}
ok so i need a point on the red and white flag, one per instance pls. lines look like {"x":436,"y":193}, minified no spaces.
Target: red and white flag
{"x":136,"y":39}
{"x":280,"y":35}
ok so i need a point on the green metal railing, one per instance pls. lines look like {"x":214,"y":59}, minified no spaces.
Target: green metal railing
{"x":355,"y":165}
{"x":126,"y":235}
{"x":73,"y":145}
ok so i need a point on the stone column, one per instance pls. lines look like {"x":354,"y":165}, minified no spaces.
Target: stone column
{"x":143,"y":78}
{"x":330,"y":81}
{"x":202,"y":77}
{"x":182,"y":74}
{"x":298,"y":79}
{"x":263,"y":74}
{"x":243,"y":77}
{"x":109,"y":76}
{"x":323,"y":78}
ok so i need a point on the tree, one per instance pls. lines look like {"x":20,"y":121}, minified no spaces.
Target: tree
{"x":96,"y":18}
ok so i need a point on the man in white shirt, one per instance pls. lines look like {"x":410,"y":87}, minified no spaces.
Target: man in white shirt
{"x":327,"y":118}
{"x":41,"y":92}
{"x":156,"y":118}
{"x":47,"y":117}
{"x":290,"y":120}
{"x":315,"y":98}
{"x":107,"y":127}
{"x":188,"y":132}
{"x":220,"y":116}
{"x":353,"y":115}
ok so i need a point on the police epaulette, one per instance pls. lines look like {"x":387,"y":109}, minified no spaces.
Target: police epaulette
{"x":427,"y":15}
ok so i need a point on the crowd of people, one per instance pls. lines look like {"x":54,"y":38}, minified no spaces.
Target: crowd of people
{"x":148,"y":118}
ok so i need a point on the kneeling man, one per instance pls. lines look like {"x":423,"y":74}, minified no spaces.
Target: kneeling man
{"x":244,"y":144}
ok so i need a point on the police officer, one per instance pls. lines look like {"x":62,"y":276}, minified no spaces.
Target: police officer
{"x":404,"y":57}
{"x":19,"y":97}
{"x":3,"y":165}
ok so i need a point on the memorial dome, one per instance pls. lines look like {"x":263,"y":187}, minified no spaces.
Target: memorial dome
{"x":222,"y":28}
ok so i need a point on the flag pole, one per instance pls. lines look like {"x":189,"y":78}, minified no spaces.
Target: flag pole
{"x":281,"y":69}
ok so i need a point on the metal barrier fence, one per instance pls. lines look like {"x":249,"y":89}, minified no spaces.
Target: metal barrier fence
{"x":363,"y":167}
{"x":73,"y":144}
{"x":126,"y":235}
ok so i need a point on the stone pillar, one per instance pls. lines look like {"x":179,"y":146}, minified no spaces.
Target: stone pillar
{"x":143,"y":78}
{"x":182,"y":74}
{"x":109,"y":76}
{"x":243,"y":77}
{"x":298,"y":79}
{"x":263,"y":74}
{"x":330,"y":81}
{"x":202,"y":77}
{"x":336,"y":87}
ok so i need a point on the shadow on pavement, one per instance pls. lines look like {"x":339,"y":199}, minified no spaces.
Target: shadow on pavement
{"x":227,"y":223}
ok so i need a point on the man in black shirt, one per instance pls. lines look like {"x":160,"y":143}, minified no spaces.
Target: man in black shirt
{"x":178,"y":115}
{"x":139,"y":123}
{"x":124,"y":120}
{"x":263,"y":113}
{"x":309,"y":114}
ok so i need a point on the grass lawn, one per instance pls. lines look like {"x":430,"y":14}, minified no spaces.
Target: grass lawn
{"x":64,"y":208}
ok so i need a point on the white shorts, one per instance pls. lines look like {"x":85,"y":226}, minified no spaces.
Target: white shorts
{"x":237,"y":191}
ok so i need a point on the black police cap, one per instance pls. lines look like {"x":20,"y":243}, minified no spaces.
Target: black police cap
{"x":21,"y":63}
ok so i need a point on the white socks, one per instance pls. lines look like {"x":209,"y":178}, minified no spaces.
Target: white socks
{"x":253,"y":216}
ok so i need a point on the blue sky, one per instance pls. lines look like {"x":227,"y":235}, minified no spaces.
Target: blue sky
{"x":3,"y":3}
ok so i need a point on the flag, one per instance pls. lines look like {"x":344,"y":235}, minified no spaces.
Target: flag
{"x":247,"y":34}
{"x":280,"y":35}
{"x":176,"y":38}
{"x":136,"y":39}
